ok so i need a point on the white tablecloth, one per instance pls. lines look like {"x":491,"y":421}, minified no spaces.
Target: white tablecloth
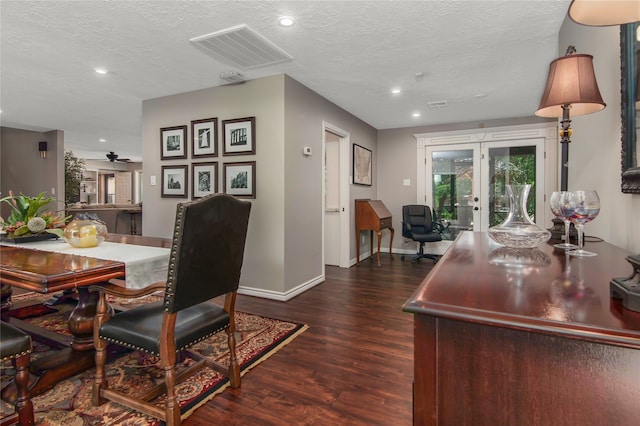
{"x":143,"y":265}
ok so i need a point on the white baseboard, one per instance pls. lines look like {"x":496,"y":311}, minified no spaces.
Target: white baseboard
{"x":280,"y":296}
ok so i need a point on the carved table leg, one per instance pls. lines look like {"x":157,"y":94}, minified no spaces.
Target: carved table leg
{"x":81,"y":319}
{"x":5,"y":296}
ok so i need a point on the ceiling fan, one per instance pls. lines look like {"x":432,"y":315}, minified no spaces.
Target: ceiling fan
{"x":113,"y":157}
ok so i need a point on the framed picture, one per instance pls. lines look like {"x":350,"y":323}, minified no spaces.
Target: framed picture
{"x":240,"y":179}
{"x":174,"y":181}
{"x":172,"y":143}
{"x":205,"y":179}
{"x":239,"y":136}
{"x":361,"y":165}
{"x":204,"y":138}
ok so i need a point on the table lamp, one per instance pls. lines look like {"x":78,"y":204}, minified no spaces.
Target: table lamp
{"x":571,"y":88}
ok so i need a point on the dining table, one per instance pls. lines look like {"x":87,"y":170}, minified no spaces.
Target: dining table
{"x":54,"y":267}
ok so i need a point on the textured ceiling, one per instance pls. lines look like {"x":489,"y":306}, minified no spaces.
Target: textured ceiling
{"x":351,"y":52}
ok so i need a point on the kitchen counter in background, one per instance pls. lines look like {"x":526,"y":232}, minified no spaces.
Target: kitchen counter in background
{"x":119,"y":218}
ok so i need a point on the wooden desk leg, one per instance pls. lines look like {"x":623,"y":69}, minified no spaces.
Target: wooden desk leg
{"x":357,"y":246}
{"x":379,"y":241}
{"x":371,"y":243}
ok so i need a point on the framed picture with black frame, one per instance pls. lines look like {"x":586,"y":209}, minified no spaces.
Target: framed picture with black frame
{"x":239,"y":136}
{"x":173,"y":143}
{"x":205,"y":179}
{"x":361,"y":165}
{"x":204,"y":138}
{"x":175,"y":181}
{"x":240,"y":179}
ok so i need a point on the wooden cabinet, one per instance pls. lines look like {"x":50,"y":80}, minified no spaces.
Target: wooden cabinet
{"x":524,"y":337}
{"x":89,"y":187}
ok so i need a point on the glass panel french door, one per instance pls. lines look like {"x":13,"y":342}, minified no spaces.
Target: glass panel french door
{"x":454,"y":186}
{"x":466,"y":182}
{"x":511,"y":163}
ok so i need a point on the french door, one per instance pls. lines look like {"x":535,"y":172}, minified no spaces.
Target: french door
{"x":466,"y":183}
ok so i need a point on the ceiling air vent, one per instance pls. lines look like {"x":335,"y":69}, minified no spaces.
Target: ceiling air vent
{"x":438,"y":104}
{"x":241,"y":46}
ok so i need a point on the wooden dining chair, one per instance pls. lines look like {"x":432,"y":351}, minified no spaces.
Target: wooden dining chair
{"x":205,"y":262}
{"x":15,"y":345}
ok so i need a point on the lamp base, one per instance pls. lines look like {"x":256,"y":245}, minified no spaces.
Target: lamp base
{"x":557,"y":231}
{"x":628,"y":289}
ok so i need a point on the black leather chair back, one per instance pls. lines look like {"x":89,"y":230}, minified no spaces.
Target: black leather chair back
{"x":207,"y":250}
{"x":418,"y":218}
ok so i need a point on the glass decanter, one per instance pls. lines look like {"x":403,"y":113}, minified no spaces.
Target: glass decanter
{"x":518,"y":230}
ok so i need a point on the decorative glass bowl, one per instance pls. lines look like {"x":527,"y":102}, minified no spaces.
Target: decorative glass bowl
{"x":83,"y":232}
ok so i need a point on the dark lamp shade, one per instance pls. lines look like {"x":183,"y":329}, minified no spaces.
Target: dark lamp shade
{"x":571,"y":81}
{"x":602,"y":13}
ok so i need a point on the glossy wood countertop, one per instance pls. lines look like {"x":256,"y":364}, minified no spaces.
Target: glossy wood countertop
{"x":540,"y":290}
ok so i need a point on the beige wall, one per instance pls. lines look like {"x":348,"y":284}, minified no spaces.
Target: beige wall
{"x":22,"y":169}
{"x":594,"y":153}
{"x":263,"y":269}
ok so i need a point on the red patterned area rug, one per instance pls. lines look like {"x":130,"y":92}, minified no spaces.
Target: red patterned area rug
{"x":69,"y":402}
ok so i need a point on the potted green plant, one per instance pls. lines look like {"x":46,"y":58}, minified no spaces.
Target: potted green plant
{"x":73,"y":168}
{"x":28,"y":218}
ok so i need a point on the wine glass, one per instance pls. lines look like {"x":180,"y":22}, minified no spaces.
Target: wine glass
{"x":581,"y":207}
{"x":555,"y":202}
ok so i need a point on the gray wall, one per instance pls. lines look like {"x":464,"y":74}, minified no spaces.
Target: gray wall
{"x":594,"y":153}
{"x":22,"y":169}
{"x":305,"y":111}
{"x":263,"y":270}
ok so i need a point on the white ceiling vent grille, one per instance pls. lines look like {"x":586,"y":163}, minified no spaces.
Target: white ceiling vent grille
{"x":241,"y":46}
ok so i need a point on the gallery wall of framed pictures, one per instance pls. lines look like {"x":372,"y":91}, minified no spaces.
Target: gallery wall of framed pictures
{"x":239,"y":177}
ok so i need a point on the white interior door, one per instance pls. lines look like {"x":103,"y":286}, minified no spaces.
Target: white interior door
{"x":335,"y":202}
{"x":332,"y":200}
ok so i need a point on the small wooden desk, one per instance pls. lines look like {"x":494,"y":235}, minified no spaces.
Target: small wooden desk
{"x":500,"y":342}
{"x":372,"y":215}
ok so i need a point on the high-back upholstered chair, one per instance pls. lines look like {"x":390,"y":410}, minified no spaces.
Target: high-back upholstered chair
{"x":205,"y":262}
{"x":16,"y":346}
{"x":417,"y":224}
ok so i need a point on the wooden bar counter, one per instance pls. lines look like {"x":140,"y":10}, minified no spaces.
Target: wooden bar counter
{"x":504,"y":337}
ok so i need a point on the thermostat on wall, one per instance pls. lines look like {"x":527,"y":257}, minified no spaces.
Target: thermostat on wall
{"x":306,"y":150}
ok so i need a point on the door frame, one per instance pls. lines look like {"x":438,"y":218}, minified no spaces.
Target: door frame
{"x":345,"y":211}
{"x":547,"y":130}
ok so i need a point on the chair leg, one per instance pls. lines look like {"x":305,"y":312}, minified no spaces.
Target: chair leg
{"x":234,"y":367}
{"x":100,"y":345}
{"x":24,"y":406}
{"x":422,"y":255}
{"x":172,"y":408}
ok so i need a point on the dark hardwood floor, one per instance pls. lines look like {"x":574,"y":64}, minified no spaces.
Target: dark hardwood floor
{"x":353,"y":366}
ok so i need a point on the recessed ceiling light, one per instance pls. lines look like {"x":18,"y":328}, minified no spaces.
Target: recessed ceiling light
{"x":286,"y":21}
{"x":102,"y":140}
{"x":395,"y":91}
{"x":416,"y":114}
{"x":101,"y":71}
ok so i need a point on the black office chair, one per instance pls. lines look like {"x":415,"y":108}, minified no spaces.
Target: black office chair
{"x":418,"y":225}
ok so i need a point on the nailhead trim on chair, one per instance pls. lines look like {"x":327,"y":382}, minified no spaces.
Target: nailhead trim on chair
{"x":6,"y":358}
{"x":138,"y":348}
{"x":171,"y":283}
